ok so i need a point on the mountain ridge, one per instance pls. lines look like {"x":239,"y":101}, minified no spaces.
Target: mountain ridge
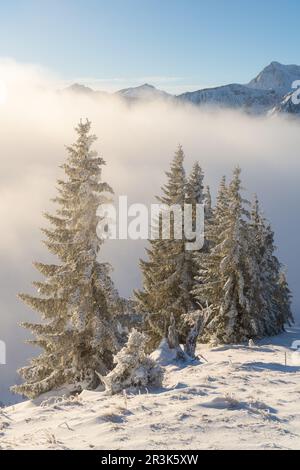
{"x":265,"y":94}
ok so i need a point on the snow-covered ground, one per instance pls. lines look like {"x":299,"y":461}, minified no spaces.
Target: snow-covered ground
{"x":242,"y":398}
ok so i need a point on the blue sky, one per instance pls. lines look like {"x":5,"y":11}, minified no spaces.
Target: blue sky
{"x":173,"y":43}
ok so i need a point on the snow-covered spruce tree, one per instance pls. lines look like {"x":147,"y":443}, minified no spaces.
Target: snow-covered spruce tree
{"x":199,"y":257}
{"x":194,"y":186}
{"x":281,"y":294}
{"x":207,"y":280}
{"x":241,"y":276}
{"x":270,"y":295}
{"x":195,"y":194}
{"x":207,"y":204}
{"x":133,"y":367}
{"x":260,"y":290}
{"x":166,"y":275}
{"x":225,"y":279}
{"x":77,"y":298}
{"x":283,"y":298}
{"x":240,"y":320}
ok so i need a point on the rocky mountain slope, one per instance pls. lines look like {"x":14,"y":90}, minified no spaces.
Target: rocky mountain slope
{"x":287,"y":106}
{"x":251,"y":100}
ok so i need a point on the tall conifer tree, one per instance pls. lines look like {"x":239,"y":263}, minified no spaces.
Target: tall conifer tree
{"x":166,"y":274}
{"x":270,"y":295}
{"x":224,"y":280}
{"x":77,"y":298}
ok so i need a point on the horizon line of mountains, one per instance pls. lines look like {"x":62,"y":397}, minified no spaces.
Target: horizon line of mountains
{"x":270,"y":92}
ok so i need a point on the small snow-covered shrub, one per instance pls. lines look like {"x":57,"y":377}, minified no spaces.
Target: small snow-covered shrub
{"x":133,"y":367}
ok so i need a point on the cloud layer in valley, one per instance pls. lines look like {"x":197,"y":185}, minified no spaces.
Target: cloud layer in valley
{"x":137,"y":142}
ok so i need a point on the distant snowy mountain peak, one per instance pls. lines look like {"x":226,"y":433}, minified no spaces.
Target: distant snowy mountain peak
{"x":250,"y":100}
{"x":268,"y":93}
{"x":264,"y":94}
{"x":144,"y":87}
{"x":78,"y":88}
{"x":147,"y":85}
{"x":276,"y":77}
{"x":144,"y":91}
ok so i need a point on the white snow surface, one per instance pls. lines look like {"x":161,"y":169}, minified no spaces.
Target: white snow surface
{"x":242,"y":398}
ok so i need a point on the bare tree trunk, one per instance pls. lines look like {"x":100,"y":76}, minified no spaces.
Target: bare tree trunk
{"x":172,"y":337}
{"x":197,"y":322}
{"x":191,"y":341}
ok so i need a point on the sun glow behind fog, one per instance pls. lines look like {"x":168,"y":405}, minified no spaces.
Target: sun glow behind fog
{"x":137,"y":143}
